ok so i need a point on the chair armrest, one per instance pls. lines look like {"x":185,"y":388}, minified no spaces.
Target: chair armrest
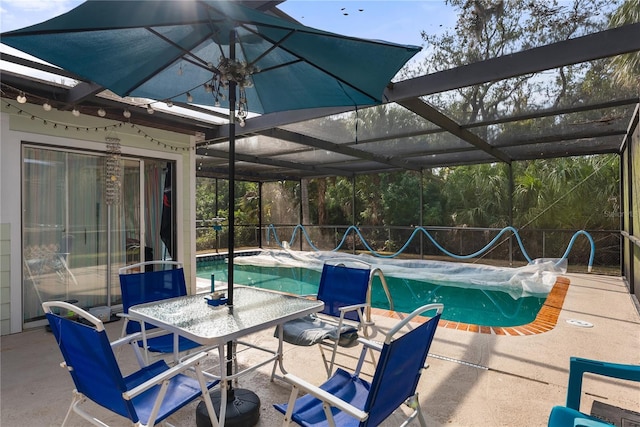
{"x":150,"y":333}
{"x":137,"y":336}
{"x":374,"y":345}
{"x":324,"y":396}
{"x":128,"y":339}
{"x":168,"y":374}
{"x":578,"y":367}
{"x":352,"y":307}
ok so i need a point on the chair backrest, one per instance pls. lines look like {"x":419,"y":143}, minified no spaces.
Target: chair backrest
{"x":341,"y":286}
{"x":149,"y":286}
{"x":92,"y":364}
{"x":399,"y":368}
{"x":579,"y":366}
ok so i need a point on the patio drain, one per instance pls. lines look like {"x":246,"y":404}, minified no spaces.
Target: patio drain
{"x":580,"y":323}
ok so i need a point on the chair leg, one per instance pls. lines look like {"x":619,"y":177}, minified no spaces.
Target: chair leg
{"x":414,"y":403}
{"x":334,"y":350}
{"x":280,"y":359}
{"x":423,"y":422}
{"x":292,"y":400}
{"x":324,"y":359}
{"x":77,"y":399}
{"x":328,"y":414}
{"x":206,"y":397}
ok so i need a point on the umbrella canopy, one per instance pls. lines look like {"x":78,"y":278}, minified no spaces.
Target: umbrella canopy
{"x":172,"y":50}
{"x":199,"y":51}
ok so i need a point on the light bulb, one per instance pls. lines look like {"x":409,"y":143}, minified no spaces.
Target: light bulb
{"x":46,"y":106}
{"x":126,"y":113}
{"x":101,"y":112}
{"x":150,"y":109}
{"x":189,"y":97}
{"x":75,"y":112}
{"x":169,"y":104}
{"x":21,"y":98}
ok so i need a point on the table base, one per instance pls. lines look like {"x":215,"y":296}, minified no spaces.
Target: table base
{"x":243,"y":409}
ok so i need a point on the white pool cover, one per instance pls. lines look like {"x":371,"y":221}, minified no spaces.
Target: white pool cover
{"x":535,"y":279}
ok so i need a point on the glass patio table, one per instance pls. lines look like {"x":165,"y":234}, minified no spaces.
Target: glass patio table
{"x":254,"y":309}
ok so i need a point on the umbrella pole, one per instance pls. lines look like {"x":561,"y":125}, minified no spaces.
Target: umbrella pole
{"x":242,"y":407}
{"x":232,"y":189}
{"x":232,"y":193}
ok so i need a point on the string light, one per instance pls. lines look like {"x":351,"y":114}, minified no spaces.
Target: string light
{"x":21,"y":98}
{"x":189,"y":97}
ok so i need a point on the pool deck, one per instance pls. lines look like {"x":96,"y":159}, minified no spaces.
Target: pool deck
{"x":473,"y":379}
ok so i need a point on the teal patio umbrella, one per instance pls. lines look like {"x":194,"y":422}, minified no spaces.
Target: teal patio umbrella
{"x":217,"y":53}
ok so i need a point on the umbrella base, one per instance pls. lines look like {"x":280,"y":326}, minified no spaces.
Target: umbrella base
{"x":243,"y":409}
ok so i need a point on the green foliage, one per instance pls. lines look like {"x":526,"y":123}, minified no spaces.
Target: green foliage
{"x":568,"y":193}
{"x":626,"y":68}
{"x":478,"y":195}
{"x":573,"y":193}
{"x":491,"y":28}
{"x":401,"y":200}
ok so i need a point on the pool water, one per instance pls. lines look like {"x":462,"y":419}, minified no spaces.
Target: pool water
{"x":473,"y":306}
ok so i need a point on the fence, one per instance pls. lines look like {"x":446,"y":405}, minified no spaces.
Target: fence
{"x":537,"y":243}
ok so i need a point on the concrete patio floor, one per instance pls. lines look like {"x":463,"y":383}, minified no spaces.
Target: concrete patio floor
{"x":473,"y":379}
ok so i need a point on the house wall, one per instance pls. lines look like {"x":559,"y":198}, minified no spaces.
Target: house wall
{"x":5,"y":270}
{"x":29,"y":123}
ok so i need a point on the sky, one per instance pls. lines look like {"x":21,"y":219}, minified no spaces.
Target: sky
{"x":395,"y":21}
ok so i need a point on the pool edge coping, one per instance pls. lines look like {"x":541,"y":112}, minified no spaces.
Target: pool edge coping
{"x":545,"y":320}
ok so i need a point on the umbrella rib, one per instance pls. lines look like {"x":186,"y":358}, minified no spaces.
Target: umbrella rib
{"x":198,"y":61}
{"x":338,"y":78}
{"x":274,"y":45}
{"x":284,"y":64}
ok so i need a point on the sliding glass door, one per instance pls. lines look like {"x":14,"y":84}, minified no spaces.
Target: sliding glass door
{"x":73,"y":241}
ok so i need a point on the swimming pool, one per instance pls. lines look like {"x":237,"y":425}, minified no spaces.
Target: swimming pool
{"x":490,"y":296}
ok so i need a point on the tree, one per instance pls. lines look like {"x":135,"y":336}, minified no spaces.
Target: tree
{"x":477,"y":195}
{"x":490,"y":28}
{"x":626,"y":68}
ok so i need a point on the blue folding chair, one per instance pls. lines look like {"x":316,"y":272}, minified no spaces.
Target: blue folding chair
{"x":344,"y":291}
{"x":146,"y":397}
{"x":570,"y":414}
{"x":347,"y":400}
{"x":140,"y":286}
